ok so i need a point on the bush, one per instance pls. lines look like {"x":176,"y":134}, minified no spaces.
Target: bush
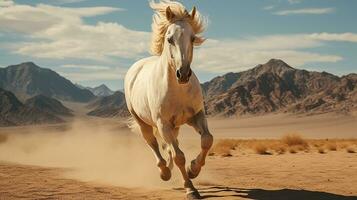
{"x":350,"y":150}
{"x":261,"y":149}
{"x":294,"y":140}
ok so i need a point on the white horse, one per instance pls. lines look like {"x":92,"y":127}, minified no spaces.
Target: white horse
{"x":162,"y":92}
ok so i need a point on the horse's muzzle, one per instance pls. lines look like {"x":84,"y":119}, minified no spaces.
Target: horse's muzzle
{"x":183,"y":78}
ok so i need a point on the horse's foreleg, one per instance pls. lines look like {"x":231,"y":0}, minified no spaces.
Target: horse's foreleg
{"x":168,"y":133}
{"x":199,"y":122}
{"x":147,"y":132}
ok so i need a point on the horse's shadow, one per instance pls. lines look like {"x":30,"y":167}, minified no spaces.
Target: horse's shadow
{"x":262,"y":194}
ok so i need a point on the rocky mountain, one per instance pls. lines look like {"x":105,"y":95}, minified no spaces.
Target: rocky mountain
{"x":101,"y":91}
{"x":109,"y":106}
{"x":277,"y":87}
{"x":13,"y":112}
{"x":27,"y":79}
{"x":49,"y":105}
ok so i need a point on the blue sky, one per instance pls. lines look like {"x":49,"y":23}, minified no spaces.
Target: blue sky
{"x":92,"y":42}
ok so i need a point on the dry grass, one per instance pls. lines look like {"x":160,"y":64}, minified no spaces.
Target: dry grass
{"x":261,"y":149}
{"x":350,"y":150}
{"x":279,"y":148}
{"x":292,"y":143}
{"x":293,"y":150}
{"x":321,"y":150}
{"x":223,"y":147}
{"x":295,"y":143}
{"x":294,"y":140}
{"x":332,"y":146}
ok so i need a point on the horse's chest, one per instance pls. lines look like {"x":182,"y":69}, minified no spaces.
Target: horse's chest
{"x":179,"y":109}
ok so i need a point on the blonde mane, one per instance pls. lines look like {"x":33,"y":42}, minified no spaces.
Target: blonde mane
{"x":160,"y":23}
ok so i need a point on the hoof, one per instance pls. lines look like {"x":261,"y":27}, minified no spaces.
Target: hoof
{"x":193,"y":195}
{"x":165,"y":174}
{"x":192,"y":172}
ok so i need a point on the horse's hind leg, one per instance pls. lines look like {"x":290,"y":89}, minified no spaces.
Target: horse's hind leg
{"x":147,"y":133}
{"x":199,"y":122}
{"x":170,"y":161}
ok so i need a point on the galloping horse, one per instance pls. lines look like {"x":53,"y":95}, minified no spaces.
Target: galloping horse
{"x":162,"y":92}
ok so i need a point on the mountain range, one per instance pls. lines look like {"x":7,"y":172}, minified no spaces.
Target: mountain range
{"x":14,"y":112}
{"x":273,"y":87}
{"x":49,"y":105}
{"x":277,"y":87}
{"x":99,"y":91}
{"x":109,"y":106}
{"x":27,"y":79}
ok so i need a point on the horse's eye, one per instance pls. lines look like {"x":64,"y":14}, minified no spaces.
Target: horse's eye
{"x":170,"y":40}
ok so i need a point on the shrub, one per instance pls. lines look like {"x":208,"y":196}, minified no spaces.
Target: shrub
{"x":294,"y":140}
{"x":261,"y":149}
{"x":321,"y":150}
{"x":350,"y":150}
{"x":223,"y":147}
{"x":332,"y":146}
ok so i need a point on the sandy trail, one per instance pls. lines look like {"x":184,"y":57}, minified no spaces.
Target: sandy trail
{"x":100,"y":159}
{"x":298,"y":176}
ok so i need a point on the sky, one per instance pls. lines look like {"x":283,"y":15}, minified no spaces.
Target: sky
{"x":92,"y":42}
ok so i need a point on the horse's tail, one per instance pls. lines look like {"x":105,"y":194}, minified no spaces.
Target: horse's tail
{"x":133,"y":125}
{"x":135,"y":128}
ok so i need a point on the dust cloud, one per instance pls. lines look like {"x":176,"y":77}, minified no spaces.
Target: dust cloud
{"x":88,"y":151}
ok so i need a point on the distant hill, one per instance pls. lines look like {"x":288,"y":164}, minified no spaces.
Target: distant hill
{"x":273,"y":87}
{"x":13,"y":112}
{"x":49,"y":105}
{"x":101,"y":91}
{"x":277,"y":87}
{"x":27,"y":79}
{"x":109,"y":106}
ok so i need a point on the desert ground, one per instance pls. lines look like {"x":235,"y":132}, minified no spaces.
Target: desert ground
{"x":93,"y":158}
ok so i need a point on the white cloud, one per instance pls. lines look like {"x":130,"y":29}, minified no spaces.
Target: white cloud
{"x":268,"y":7}
{"x":342,"y":37}
{"x":241,"y":54}
{"x":294,"y":1}
{"x":59,"y":33}
{"x":89,"y":67}
{"x":311,"y":11}
{"x":66,"y":1}
{"x":91,"y":72}
{"x":6,"y":3}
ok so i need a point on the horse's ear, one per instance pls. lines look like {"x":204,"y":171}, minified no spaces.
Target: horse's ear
{"x":193,"y":12}
{"x":198,"y":41}
{"x":169,"y":14}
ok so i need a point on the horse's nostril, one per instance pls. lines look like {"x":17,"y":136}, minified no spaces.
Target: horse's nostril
{"x":178,"y":74}
{"x":189,"y":73}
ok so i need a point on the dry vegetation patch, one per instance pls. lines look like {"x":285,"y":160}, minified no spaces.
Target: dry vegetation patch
{"x":292,"y":143}
{"x":223,"y":147}
{"x":350,"y":150}
{"x":321,"y":150}
{"x":332,"y":146}
{"x":294,"y":140}
{"x":262,"y":149}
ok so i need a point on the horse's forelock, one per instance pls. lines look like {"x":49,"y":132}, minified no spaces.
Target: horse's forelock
{"x":160,"y":23}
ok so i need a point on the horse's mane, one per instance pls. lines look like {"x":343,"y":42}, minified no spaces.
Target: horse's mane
{"x":160,"y":23}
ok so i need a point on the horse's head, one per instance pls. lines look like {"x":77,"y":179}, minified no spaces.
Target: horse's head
{"x":179,"y":41}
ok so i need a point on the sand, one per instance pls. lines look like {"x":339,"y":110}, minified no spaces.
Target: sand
{"x":93,"y":158}
{"x":305,"y":176}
